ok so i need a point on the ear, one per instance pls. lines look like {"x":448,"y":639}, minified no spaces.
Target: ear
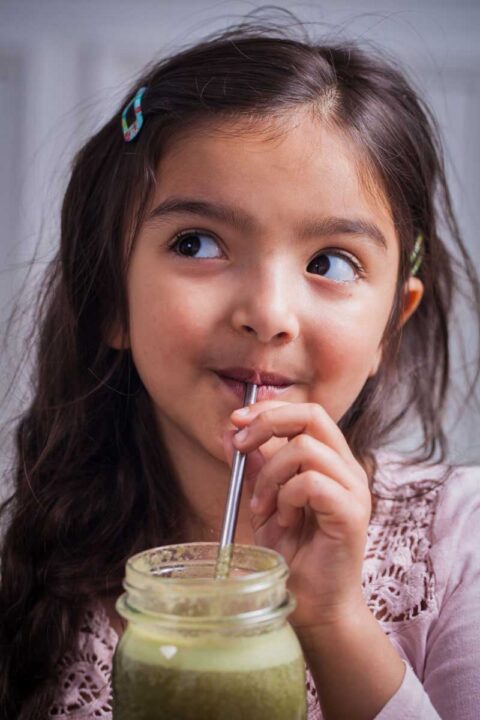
{"x":412,"y":296}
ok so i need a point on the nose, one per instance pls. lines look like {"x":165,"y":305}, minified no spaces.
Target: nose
{"x":266,"y":303}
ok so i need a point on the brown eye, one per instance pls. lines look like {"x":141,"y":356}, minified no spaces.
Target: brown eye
{"x":196,"y":245}
{"x":334,"y":266}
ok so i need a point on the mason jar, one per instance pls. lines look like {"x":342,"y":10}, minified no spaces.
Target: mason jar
{"x":201,"y":648}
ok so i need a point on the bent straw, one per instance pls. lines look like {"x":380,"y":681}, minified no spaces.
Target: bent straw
{"x":222,"y":567}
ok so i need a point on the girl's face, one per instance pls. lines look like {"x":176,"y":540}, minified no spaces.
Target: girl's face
{"x":286,"y":264}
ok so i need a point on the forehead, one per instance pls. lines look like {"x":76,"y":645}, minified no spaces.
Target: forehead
{"x":285,"y":168}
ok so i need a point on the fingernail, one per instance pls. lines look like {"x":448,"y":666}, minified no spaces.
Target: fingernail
{"x":242,"y":435}
{"x":241,"y":412}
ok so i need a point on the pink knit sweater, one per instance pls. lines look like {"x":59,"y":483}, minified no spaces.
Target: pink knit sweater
{"x":421,"y":580}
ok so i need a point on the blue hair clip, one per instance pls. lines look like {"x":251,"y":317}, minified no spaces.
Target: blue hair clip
{"x":131,"y":131}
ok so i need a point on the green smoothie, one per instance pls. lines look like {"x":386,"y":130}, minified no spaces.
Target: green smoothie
{"x":256,"y":677}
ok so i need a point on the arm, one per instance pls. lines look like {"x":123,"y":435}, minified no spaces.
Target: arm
{"x":355,"y":668}
{"x":449,"y":687}
{"x":452,"y":662}
{"x":312,"y":503}
{"x":360,"y":676}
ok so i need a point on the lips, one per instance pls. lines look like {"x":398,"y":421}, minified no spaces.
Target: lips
{"x":251,"y":375}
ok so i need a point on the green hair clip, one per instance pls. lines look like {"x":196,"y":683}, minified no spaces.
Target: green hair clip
{"x":417,"y":255}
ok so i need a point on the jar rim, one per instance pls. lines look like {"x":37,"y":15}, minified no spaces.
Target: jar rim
{"x":275,"y":567}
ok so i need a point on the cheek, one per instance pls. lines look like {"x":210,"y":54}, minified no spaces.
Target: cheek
{"x":354,"y":348}
{"x":345,"y":351}
{"x":168,"y":321}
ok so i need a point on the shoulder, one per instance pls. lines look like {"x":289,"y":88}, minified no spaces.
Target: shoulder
{"x":443,"y":502}
{"x":398,"y":474}
{"x":404,"y":493}
{"x":456,"y":488}
{"x":456,"y":532}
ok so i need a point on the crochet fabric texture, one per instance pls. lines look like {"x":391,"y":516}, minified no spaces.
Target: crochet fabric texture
{"x":398,"y":585}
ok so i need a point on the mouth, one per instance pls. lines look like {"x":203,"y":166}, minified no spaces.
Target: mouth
{"x":270,"y":385}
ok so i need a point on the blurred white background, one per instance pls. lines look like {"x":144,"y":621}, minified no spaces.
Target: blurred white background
{"x":65,"y":64}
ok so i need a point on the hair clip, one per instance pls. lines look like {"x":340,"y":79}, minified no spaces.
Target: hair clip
{"x":417,"y":255}
{"x":131,"y":131}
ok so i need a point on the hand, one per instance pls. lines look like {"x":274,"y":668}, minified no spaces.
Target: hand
{"x":311,"y":503}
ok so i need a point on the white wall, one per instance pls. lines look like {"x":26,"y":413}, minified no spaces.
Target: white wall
{"x":64,"y":64}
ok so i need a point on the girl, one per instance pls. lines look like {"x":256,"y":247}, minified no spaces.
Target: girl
{"x":259,"y":209}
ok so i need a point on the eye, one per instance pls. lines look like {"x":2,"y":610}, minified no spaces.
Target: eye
{"x":335,"y":266}
{"x":196,"y":244}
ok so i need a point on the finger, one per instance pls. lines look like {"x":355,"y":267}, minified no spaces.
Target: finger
{"x":327,"y":499}
{"x":244,"y":415}
{"x":293,"y":419}
{"x":288,"y":515}
{"x":299,"y":455}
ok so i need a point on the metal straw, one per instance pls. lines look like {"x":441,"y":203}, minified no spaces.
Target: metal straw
{"x":233,"y":499}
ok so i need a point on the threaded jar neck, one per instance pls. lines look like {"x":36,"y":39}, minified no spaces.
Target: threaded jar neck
{"x":176,"y":583}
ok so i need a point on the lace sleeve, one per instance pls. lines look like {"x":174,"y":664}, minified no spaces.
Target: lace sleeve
{"x":84,"y":683}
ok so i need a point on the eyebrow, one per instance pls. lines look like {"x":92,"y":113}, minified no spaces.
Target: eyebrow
{"x":242,"y":221}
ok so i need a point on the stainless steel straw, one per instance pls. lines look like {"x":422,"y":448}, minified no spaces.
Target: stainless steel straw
{"x":233,"y":500}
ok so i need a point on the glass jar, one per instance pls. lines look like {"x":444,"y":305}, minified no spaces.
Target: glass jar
{"x":200,"y":648}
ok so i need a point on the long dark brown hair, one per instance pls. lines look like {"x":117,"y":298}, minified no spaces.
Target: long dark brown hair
{"x":93,"y":482}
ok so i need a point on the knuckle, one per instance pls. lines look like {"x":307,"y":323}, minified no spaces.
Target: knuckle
{"x":313,"y":481}
{"x":302,"y":442}
{"x":264,"y":419}
{"x":315,"y":411}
